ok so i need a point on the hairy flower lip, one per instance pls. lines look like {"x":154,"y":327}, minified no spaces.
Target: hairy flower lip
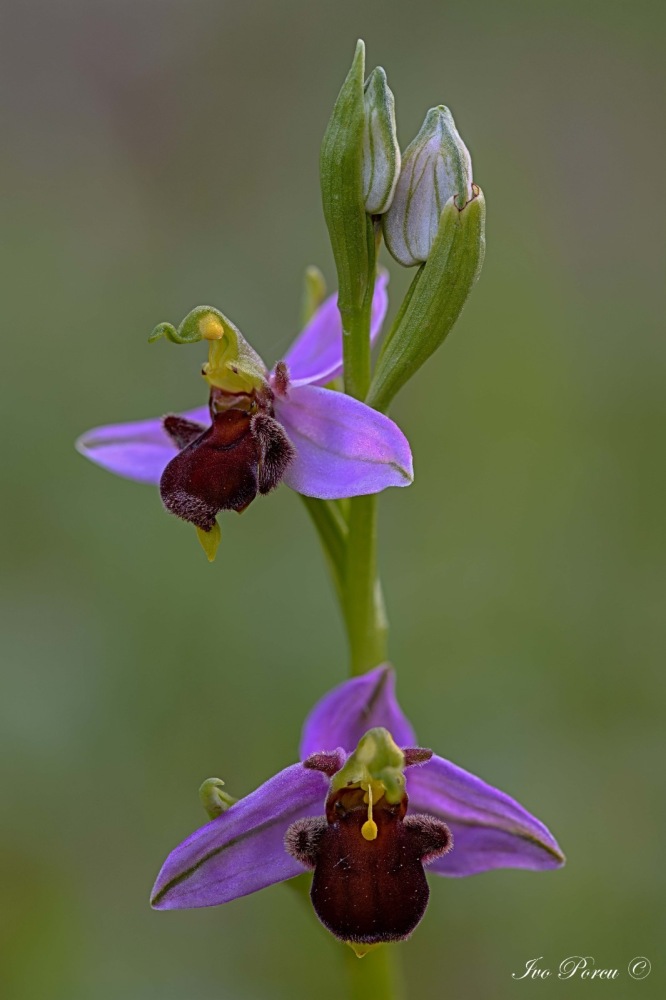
{"x":244,"y":452}
{"x":369,"y":883}
{"x":242,"y":850}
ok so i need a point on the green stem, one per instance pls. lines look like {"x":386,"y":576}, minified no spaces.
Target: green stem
{"x":363,"y":606}
{"x":333,"y":533}
{"x":365,"y":618}
{"x":377,"y":976}
{"x":350,"y":548}
{"x":356,"y":329}
{"x":356,"y":354}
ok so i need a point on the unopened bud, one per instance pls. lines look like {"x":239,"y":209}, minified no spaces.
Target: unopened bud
{"x":381,"y":152}
{"x":436,"y":167}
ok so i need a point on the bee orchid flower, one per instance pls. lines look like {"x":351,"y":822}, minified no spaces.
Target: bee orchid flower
{"x":366,"y":810}
{"x":260,"y":428}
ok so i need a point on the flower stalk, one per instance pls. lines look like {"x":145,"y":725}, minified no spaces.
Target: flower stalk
{"x":348,"y":529}
{"x":364,"y":613}
{"x":365,"y":617}
{"x":348,"y":532}
{"x":356,"y":338}
{"x":379,"y":975}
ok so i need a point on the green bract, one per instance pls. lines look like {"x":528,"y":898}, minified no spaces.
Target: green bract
{"x":381,"y":152}
{"x":341,"y":169}
{"x":436,"y":166}
{"x":350,"y":228}
{"x":435,"y":299}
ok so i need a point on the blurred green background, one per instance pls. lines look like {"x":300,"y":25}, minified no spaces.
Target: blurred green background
{"x":162,"y":154}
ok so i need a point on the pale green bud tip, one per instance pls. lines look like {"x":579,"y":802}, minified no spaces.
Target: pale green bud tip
{"x":213,"y":799}
{"x":381,"y":152}
{"x":436,"y":167}
{"x":378,"y":762}
{"x":359,"y":56}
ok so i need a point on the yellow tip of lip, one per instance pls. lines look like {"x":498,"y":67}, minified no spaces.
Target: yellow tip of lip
{"x":361,"y":950}
{"x":369,"y":829}
{"x":210,"y":540}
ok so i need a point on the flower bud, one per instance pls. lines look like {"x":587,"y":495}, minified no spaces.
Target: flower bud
{"x":381,"y":152}
{"x":436,"y":168}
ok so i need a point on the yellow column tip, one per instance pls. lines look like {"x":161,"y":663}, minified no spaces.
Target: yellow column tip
{"x":369,"y":829}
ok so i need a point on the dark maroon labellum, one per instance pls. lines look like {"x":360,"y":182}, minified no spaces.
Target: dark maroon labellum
{"x":368,"y":891}
{"x":245,"y":451}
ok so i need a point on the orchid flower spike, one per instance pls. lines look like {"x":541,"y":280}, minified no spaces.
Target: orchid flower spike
{"x":259,"y":428}
{"x":366,"y":810}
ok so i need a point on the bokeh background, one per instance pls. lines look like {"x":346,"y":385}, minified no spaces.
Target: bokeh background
{"x":157,"y":155}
